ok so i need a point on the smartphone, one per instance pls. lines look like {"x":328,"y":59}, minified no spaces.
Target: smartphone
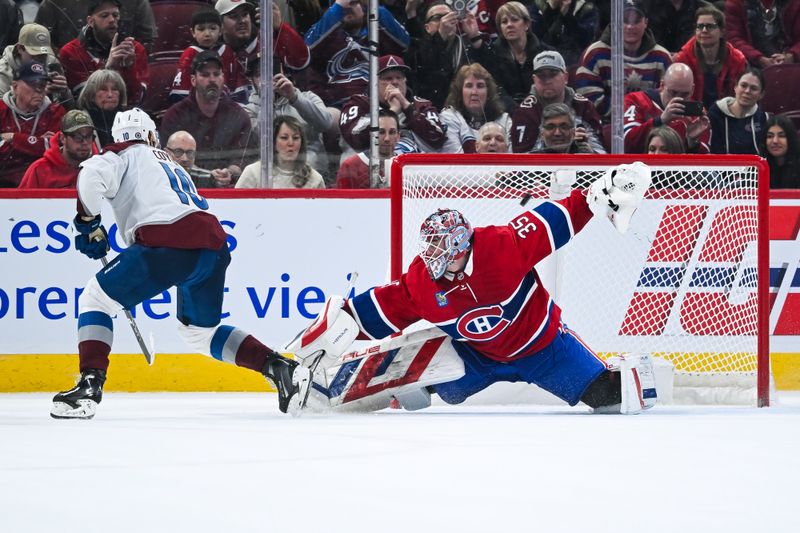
{"x":692,"y":108}
{"x":460,"y":7}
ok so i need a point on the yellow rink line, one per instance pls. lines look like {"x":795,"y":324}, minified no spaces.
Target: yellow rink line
{"x":197,"y":373}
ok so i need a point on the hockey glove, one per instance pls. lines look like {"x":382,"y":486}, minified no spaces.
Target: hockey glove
{"x":92,"y":238}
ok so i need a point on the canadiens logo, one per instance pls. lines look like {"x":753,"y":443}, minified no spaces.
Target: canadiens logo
{"x":441,"y":299}
{"x":482,"y":324}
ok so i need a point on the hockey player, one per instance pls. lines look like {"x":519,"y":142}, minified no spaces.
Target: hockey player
{"x":172,"y":240}
{"x":480,"y":287}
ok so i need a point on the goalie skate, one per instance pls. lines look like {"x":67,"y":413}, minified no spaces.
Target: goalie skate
{"x":81,"y":400}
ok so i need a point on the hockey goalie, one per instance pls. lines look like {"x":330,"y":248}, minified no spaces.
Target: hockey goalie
{"x":493,"y":320}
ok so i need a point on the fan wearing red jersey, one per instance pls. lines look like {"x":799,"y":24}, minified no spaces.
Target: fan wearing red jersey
{"x":480,"y":287}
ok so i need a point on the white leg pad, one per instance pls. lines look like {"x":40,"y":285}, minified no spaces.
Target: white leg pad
{"x":637,"y":381}
{"x":94,"y":298}
{"x":198,"y":338}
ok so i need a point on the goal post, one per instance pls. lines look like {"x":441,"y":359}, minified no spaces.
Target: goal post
{"x":688,"y":282}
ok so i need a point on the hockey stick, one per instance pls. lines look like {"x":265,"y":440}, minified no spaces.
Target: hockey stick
{"x":149,"y":353}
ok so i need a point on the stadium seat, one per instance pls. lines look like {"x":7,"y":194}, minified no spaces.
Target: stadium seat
{"x":173,"y":20}
{"x":156,"y":100}
{"x":782,"y":89}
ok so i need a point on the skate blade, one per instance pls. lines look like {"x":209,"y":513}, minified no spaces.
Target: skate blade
{"x":85,"y":411}
{"x":303,"y":377}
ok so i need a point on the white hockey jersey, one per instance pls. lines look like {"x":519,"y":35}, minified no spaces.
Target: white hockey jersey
{"x":143,"y":185}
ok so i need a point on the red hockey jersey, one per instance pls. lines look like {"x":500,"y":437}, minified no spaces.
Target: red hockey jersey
{"x":497,"y":304}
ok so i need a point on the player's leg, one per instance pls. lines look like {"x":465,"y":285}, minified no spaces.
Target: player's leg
{"x":122,"y":284}
{"x":568,"y":369}
{"x":479,"y":373}
{"x":200,"y":299}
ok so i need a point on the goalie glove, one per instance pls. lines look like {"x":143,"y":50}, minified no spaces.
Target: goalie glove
{"x":332,"y":332}
{"x":618,"y":193}
{"x":92,"y":238}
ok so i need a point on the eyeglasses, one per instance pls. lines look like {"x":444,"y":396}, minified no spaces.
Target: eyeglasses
{"x":564,"y":128}
{"x":77,"y":137}
{"x":37,"y":85}
{"x":177,"y":152}
{"x":706,"y":27}
{"x":434,"y":18}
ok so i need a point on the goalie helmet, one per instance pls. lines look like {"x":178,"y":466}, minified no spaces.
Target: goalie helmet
{"x":444,"y":237}
{"x":134,"y":125}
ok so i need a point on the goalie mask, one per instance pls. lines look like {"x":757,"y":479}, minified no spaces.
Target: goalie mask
{"x":134,"y":125}
{"x":444,"y":237}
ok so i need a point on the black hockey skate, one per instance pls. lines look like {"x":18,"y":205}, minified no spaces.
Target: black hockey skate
{"x":81,"y":400}
{"x":292,"y":381}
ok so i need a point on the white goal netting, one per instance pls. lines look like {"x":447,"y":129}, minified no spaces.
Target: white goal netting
{"x":682,"y":284}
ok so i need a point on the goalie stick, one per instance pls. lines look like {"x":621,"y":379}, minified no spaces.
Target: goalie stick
{"x":149,"y":353}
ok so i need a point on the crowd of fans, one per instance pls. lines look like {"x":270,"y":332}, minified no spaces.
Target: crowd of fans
{"x":453,"y":77}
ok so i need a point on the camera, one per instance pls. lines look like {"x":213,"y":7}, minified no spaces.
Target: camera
{"x":692,"y":108}
{"x":460,"y":7}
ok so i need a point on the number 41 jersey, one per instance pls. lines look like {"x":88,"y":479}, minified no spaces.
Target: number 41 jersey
{"x":154,"y":200}
{"x":497,"y":304}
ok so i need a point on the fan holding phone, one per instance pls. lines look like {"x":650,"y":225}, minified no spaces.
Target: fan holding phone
{"x":670,"y":105}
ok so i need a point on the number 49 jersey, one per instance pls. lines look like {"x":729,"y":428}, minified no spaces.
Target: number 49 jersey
{"x":497,"y":304}
{"x":144,"y":186}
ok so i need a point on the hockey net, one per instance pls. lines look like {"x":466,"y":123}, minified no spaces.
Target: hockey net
{"x":687,"y":283}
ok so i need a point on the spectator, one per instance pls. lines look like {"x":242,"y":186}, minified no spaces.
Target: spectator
{"x":183,"y":149}
{"x":28,"y":120}
{"x":766,"y":31}
{"x":783,"y":153}
{"x":491,"y":139}
{"x":219,"y":125}
{"x":510,"y":58}
{"x":101,"y":45}
{"x":34,"y":45}
{"x":206,"y":24}
{"x":339,"y":42}
{"x":289,"y":167}
{"x":58,"y":168}
{"x":473,"y":101}
{"x":569,"y":26}
{"x":550,"y":87}
{"x":445,"y":46}
{"x":10,"y":22}
{"x":103,"y":96}
{"x":354,"y":172}
{"x":715,"y":63}
{"x":738,"y":122}
{"x":645,"y":110}
{"x":305,"y":106}
{"x":66,"y":18}
{"x":645,"y":61}
{"x":672,"y":21}
{"x":558,"y":132}
{"x":664,"y":140}
{"x":421,"y":128}
{"x":241,"y":45}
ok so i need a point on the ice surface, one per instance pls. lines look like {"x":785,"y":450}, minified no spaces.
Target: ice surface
{"x":232,"y":463}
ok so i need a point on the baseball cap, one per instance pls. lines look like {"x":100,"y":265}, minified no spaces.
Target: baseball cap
{"x":76,"y":119}
{"x":549,"y":59}
{"x":31,"y":71}
{"x":224,"y":7}
{"x":35,"y":39}
{"x":636,"y":5}
{"x":206,"y":56}
{"x":94,"y":5}
{"x":391,"y":62}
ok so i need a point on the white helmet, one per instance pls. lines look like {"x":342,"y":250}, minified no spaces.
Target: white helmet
{"x":134,"y":125}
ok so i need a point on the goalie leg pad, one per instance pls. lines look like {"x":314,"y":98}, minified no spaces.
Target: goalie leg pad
{"x":332,"y":332}
{"x":637,"y":384}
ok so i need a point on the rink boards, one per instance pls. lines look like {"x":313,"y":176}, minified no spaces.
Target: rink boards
{"x":289,"y":252}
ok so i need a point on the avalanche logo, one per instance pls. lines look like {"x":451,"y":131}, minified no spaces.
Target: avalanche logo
{"x":482,"y":324}
{"x":711,"y":290}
